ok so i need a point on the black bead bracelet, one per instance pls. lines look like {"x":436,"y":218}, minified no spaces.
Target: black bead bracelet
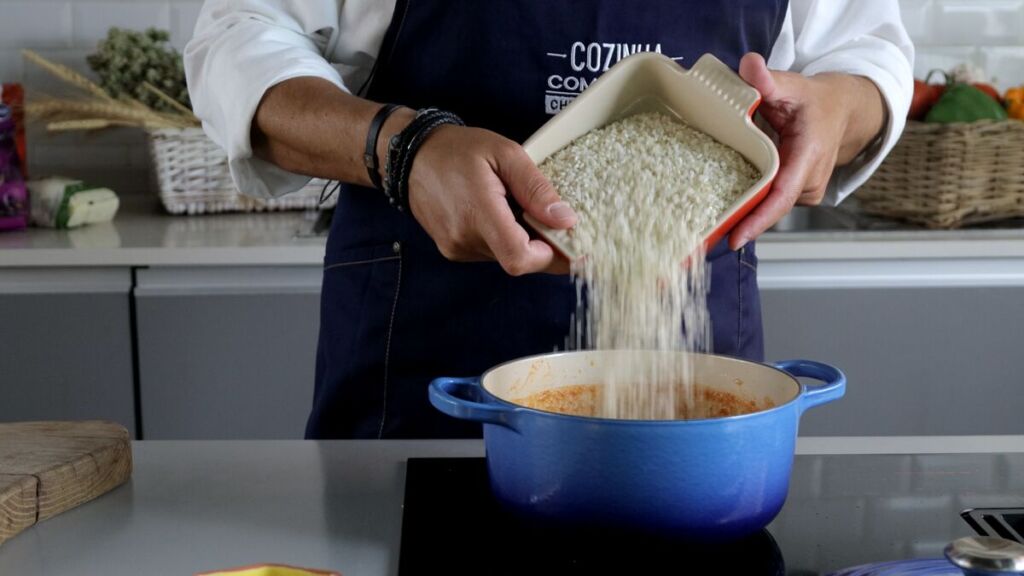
{"x":402,"y":149}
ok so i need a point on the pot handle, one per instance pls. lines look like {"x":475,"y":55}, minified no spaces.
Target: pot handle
{"x":834,"y":381}
{"x":461,"y":398}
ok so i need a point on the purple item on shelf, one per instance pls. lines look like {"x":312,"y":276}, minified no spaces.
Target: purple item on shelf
{"x":14,"y":207}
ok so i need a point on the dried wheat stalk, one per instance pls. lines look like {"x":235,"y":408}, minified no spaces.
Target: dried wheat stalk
{"x":67,"y":75}
{"x":65,"y":110}
{"x":85,"y":124}
{"x":98,"y":109}
{"x":184,"y":110}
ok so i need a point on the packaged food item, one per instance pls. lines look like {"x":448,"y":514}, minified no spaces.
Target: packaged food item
{"x":13,"y":95}
{"x":14,"y":208}
{"x":66,"y":203}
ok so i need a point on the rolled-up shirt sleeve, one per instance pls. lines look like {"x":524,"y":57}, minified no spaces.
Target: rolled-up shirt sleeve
{"x":239,"y":50}
{"x":859,"y":37}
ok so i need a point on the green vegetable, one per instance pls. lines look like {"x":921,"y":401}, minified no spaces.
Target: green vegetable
{"x":126,"y":59}
{"x":965,"y":103}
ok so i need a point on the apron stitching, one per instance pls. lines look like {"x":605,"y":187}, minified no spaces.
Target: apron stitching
{"x":387,"y":348}
{"x":739,"y":290}
{"x":371,"y":261}
{"x":748,"y":265}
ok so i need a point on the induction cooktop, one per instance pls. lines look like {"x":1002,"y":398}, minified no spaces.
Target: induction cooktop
{"x":841,"y":511}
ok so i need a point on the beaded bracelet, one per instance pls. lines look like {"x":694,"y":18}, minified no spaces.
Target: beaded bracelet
{"x":402,"y":149}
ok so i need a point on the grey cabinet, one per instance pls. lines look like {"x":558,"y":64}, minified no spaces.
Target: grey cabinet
{"x":921,"y":360}
{"x":229,"y":352}
{"x":226,"y":352}
{"x":66,"y":350}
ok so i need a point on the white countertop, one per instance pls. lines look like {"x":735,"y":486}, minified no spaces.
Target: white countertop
{"x":143,"y":235}
{"x":193,"y":506}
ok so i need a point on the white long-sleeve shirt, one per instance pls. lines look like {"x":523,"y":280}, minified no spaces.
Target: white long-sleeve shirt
{"x":241,"y":48}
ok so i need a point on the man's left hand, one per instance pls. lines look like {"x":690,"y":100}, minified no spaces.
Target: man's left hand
{"x":822,"y":121}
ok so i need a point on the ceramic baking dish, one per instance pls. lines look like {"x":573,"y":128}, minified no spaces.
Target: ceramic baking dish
{"x":709,"y":97}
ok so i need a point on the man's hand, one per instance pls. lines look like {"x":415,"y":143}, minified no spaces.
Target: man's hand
{"x":461,"y":181}
{"x":822,"y":121}
{"x":459,"y":192}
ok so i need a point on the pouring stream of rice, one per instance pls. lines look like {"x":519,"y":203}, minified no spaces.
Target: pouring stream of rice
{"x":646,"y":189}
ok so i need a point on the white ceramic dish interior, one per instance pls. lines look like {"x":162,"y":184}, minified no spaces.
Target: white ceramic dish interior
{"x":709,"y":96}
{"x":750,"y":381}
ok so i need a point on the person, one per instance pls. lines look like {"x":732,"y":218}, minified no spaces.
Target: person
{"x":454,"y":284}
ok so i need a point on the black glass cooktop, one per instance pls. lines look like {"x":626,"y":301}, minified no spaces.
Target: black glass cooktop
{"x":841,"y":511}
{"x":452,"y":525}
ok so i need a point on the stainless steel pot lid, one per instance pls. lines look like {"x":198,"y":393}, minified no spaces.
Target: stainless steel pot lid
{"x":919,"y":567}
{"x":973,"y":556}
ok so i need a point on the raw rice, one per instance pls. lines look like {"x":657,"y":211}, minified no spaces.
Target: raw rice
{"x":646,"y":189}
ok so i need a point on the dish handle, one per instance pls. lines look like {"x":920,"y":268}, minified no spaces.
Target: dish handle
{"x":463,"y":398}
{"x":810,"y":396}
{"x":714,"y":73}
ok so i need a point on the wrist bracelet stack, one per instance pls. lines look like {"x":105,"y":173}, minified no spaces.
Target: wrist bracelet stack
{"x":402,"y":149}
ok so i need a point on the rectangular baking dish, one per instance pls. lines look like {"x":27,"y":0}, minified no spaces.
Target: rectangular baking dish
{"x":709,"y":97}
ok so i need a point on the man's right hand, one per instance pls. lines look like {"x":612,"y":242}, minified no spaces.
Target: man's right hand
{"x":459,"y":192}
{"x":461,"y":181}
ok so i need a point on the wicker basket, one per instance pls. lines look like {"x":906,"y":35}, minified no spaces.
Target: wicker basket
{"x":951,"y":175}
{"x":192,"y":177}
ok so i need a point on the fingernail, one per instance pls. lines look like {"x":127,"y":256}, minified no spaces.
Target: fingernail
{"x":561,"y":211}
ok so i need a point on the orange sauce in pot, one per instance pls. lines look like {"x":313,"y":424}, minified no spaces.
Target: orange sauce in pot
{"x":585,"y":400}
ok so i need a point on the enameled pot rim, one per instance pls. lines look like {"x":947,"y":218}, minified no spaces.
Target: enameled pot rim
{"x":627,"y":422}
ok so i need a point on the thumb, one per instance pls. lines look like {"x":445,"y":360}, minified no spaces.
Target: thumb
{"x":754,"y":71}
{"x":533,"y":191}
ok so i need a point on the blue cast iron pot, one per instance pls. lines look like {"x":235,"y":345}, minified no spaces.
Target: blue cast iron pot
{"x":712,"y":479}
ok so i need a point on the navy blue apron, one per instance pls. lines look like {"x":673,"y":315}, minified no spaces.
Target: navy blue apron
{"x":395,"y":313}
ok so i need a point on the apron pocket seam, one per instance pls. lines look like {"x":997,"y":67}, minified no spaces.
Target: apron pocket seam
{"x":387,"y":346}
{"x":358,"y":262}
{"x":740,"y":279}
{"x":739,"y":297}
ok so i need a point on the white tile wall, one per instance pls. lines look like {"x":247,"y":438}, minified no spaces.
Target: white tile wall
{"x":989,"y":33}
{"x":93,"y":19}
{"x":35,"y":24}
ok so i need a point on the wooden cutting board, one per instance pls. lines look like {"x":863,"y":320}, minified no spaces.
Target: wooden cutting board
{"x":49,"y":467}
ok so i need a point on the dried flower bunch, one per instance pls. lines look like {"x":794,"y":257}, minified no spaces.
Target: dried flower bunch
{"x":126,"y":60}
